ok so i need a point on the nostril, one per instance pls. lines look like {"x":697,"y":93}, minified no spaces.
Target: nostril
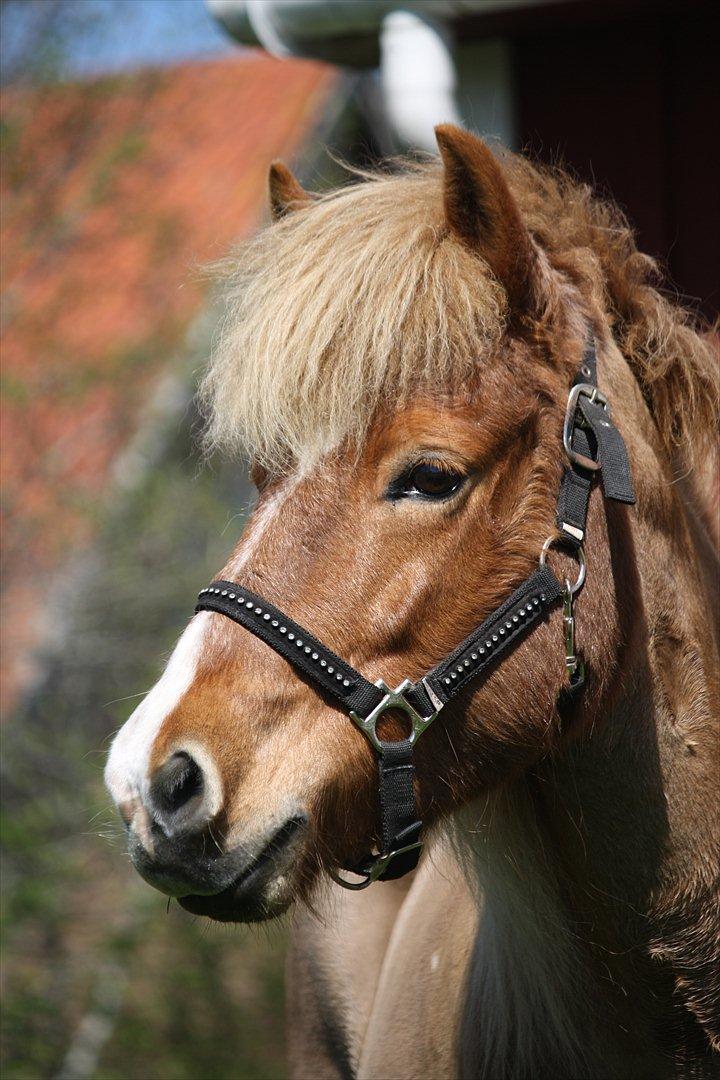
{"x":177,"y":790}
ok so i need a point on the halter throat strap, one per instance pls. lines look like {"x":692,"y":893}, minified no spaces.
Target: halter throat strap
{"x":594,"y":445}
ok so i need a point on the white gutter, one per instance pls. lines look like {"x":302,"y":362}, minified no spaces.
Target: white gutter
{"x":302,"y":24}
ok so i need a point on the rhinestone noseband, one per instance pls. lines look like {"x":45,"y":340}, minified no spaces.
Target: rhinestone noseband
{"x":594,"y":447}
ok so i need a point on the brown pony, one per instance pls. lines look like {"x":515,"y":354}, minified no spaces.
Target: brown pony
{"x":396,"y":361}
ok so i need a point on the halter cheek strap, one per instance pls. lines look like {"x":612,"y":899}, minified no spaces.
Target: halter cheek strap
{"x":593,"y":445}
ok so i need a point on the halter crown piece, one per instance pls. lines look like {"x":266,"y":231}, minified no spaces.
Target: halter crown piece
{"x":593,"y":445}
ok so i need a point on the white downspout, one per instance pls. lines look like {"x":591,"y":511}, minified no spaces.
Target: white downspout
{"x":418,"y":77}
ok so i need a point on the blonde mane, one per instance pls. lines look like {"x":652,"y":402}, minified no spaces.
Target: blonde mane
{"x":363,"y":297}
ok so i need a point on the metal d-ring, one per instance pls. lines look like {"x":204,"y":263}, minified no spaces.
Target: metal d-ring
{"x":578,"y":552}
{"x":393,"y":699}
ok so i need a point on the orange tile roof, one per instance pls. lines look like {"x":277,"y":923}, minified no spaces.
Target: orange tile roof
{"x":114,"y":191}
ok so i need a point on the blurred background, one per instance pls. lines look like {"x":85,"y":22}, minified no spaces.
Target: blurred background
{"x":136,"y":136}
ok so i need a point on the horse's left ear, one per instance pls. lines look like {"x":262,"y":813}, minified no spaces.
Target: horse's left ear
{"x":286,"y":194}
{"x":481,"y":211}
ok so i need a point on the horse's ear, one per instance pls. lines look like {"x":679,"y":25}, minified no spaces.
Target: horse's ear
{"x":481,"y":211}
{"x":286,"y":194}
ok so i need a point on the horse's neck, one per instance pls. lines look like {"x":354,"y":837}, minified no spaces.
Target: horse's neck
{"x":599,"y":870}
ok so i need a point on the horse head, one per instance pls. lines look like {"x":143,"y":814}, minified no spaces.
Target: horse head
{"x":396,"y":362}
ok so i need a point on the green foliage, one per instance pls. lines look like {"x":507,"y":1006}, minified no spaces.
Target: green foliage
{"x":14,"y":389}
{"x":128,"y":148}
{"x":84,"y":937}
{"x":14,"y":172}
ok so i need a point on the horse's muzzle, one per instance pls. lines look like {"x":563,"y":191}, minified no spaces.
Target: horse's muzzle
{"x":174,"y":848}
{"x":264,"y":887}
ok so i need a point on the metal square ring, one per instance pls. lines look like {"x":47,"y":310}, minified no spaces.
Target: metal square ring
{"x":393,"y":699}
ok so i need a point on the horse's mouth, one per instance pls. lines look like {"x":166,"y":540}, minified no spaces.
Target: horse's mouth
{"x":263,"y":889}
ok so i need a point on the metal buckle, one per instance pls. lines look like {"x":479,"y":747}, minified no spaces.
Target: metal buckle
{"x":373,"y":872}
{"x":394,"y":699}
{"x":595,"y":395}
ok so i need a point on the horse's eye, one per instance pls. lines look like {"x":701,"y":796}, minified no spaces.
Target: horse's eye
{"x":428,"y":481}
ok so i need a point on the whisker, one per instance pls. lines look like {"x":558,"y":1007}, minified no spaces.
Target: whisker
{"x":128,"y":697}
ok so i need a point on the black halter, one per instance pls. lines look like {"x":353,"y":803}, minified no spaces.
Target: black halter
{"x":593,"y":444}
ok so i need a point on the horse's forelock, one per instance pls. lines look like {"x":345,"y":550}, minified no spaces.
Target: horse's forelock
{"x":342,"y":308}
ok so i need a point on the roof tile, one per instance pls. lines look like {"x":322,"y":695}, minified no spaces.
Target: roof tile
{"x":114,"y":192}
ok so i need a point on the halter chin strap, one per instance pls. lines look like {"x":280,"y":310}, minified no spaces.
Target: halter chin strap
{"x":593,"y":444}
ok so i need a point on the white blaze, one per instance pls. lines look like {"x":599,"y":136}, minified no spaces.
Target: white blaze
{"x":126,"y":772}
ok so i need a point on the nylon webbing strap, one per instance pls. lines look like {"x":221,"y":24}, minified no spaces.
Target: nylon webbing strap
{"x":400,"y":825}
{"x":478,"y":651}
{"x":574,"y":498}
{"x":398,"y":811}
{"x":397,"y":795}
{"x":588,"y":368}
{"x":611,"y":452}
{"x":292,"y":641}
{"x":300,"y":648}
{"x":594,"y":437}
{"x":500,"y":632}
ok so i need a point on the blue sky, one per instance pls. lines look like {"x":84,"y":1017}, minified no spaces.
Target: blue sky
{"x":87,"y":37}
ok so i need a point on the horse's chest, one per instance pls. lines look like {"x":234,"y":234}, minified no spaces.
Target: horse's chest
{"x":381,"y":987}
